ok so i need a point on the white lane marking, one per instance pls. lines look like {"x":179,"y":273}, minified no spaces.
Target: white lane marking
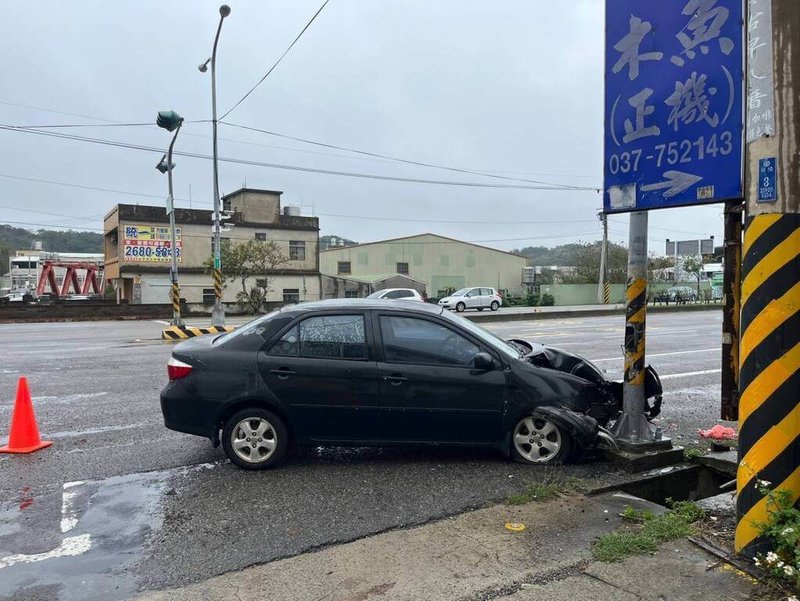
{"x":70,"y":546}
{"x":687,"y":374}
{"x":98,"y":430}
{"x":620,"y":358}
{"x":162,"y":322}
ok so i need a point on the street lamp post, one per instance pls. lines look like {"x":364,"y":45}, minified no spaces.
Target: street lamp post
{"x":171,"y":121}
{"x":218,"y":312}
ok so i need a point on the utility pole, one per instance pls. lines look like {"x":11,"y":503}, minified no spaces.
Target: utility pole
{"x":603,"y":289}
{"x":218,"y":312}
{"x":731,"y":289}
{"x":632,"y":430}
{"x":769,"y":350}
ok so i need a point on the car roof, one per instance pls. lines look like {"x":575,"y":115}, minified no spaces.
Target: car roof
{"x":349,"y":304}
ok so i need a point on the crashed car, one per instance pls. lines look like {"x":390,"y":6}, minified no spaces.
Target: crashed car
{"x":362,"y":372}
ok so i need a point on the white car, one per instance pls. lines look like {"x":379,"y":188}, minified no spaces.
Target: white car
{"x":401,"y":293}
{"x":472,"y":298}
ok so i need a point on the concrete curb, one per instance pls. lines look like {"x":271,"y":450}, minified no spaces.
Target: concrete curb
{"x":184,"y":332}
{"x":534,"y":315}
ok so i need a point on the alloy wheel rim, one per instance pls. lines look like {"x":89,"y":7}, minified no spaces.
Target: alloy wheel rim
{"x":537,"y":439}
{"x":254,"y":439}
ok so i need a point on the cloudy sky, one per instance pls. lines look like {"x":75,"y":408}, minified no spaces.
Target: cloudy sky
{"x":511,"y":87}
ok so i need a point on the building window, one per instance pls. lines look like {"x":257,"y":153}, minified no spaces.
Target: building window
{"x":402,"y":268}
{"x":208,"y":296}
{"x":297,"y":250}
{"x":261,"y":236}
{"x":291,"y":295}
{"x":351,"y":293}
{"x":343,"y":267}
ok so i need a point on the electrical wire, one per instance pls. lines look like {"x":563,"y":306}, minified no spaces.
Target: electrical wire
{"x":276,"y":63}
{"x":408,"y":161}
{"x":251,"y":163}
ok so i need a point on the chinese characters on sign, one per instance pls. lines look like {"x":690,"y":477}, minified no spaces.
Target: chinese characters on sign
{"x":760,"y":116}
{"x":149,"y":243}
{"x":767,"y":189}
{"x":673,"y":103}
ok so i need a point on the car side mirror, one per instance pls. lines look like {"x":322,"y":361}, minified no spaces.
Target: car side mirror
{"x":483,"y":361}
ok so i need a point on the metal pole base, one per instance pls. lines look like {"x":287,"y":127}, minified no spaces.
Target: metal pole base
{"x":634,"y":433}
{"x":218,"y":315}
{"x":176,"y":320}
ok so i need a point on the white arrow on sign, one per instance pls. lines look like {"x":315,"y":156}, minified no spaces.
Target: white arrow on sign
{"x":675,"y":182}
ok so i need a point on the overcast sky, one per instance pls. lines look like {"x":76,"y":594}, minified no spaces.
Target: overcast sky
{"x":509,"y":87}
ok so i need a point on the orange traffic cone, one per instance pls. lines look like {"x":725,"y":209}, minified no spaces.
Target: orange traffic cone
{"x":24,"y":436}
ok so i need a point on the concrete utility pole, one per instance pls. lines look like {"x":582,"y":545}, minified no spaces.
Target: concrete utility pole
{"x":632,"y":430}
{"x":769,"y":350}
{"x":603,"y":289}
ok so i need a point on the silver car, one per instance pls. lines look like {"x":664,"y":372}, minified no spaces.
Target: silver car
{"x":472,"y":298}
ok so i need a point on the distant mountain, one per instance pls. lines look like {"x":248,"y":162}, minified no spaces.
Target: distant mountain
{"x":328,"y":241}
{"x":17,"y":238}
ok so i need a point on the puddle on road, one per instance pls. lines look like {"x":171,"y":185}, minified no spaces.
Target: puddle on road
{"x":82,"y":541}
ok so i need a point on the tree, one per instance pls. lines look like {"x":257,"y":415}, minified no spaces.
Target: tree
{"x":586,"y":262}
{"x":252,"y":263}
{"x":694,"y":265}
{"x":657,"y":268}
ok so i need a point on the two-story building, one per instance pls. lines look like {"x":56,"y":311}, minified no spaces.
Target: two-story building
{"x":138,"y":241}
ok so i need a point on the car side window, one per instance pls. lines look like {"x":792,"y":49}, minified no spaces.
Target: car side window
{"x":412,"y":340}
{"x":487,"y":292}
{"x":474,"y":292}
{"x":394,"y":294}
{"x":325,"y":337}
{"x":404,"y":294}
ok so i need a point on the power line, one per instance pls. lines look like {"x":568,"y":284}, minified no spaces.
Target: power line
{"x":251,"y":163}
{"x":408,"y":161}
{"x":277,"y":62}
{"x":76,"y":125}
{"x":365,"y":217}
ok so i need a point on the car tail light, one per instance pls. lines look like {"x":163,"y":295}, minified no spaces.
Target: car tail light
{"x":177,"y":369}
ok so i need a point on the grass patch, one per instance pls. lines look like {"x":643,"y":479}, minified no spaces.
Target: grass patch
{"x":690,"y":453}
{"x":544,"y":491}
{"x":649,"y":531}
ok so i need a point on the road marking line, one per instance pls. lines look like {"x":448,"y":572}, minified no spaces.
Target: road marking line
{"x":701,"y":350}
{"x":69,"y":547}
{"x":162,"y":322}
{"x":691,"y":373}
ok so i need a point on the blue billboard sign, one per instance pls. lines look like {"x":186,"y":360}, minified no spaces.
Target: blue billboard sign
{"x":673,"y":103}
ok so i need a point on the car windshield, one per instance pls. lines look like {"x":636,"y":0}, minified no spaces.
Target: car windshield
{"x":486,"y":336}
{"x":377,"y":294}
{"x":461,"y":292}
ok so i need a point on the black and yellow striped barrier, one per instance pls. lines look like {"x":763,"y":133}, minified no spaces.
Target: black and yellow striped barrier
{"x":184,"y":332}
{"x":769,"y":379}
{"x":606,"y":293}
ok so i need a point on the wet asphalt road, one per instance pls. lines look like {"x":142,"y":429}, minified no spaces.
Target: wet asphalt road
{"x":120,"y":504}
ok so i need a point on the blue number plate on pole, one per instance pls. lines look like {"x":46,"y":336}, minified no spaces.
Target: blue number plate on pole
{"x":673,"y":103}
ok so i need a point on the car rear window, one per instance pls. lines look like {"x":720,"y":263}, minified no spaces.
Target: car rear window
{"x":324,"y":336}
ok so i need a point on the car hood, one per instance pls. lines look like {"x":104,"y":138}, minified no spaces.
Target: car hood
{"x":558,"y":359}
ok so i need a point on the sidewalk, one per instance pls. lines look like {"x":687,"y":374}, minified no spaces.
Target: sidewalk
{"x":473,"y":557}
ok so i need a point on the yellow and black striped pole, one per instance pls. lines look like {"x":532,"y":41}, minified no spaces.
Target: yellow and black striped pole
{"x":769,"y":348}
{"x":218,"y":284}
{"x":606,"y":293}
{"x":176,"y":303}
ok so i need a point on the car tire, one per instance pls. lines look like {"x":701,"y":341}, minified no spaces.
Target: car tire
{"x":268,"y":445}
{"x":460,"y":307}
{"x":537,"y":440}
{"x":495,"y":306}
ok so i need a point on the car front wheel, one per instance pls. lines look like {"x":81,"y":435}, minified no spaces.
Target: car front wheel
{"x":495,"y":305}
{"x":255,"y":439}
{"x":536,"y":439}
{"x":460,"y":307}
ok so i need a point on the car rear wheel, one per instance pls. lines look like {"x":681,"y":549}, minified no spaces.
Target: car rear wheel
{"x":460,"y":307}
{"x":495,"y":305}
{"x":537,"y":440}
{"x":255,"y":439}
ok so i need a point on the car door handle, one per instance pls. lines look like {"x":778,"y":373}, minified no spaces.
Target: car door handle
{"x":283,"y":373}
{"x":395,"y":380}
